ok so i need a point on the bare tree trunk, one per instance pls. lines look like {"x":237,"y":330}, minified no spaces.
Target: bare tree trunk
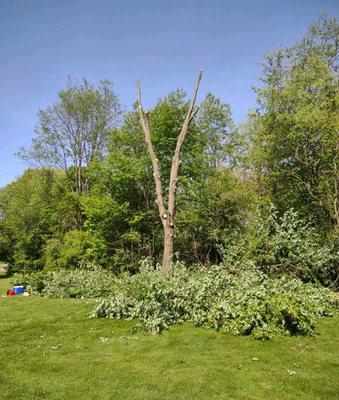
{"x":167,"y":215}
{"x":167,"y":258}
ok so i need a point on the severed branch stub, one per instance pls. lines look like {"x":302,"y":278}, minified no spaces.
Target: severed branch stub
{"x":167,"y":214}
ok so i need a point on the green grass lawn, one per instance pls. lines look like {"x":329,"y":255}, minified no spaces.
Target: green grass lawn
{"x":49,"y":349}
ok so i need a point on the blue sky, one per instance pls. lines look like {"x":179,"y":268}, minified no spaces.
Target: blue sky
{"x":164,"y":43}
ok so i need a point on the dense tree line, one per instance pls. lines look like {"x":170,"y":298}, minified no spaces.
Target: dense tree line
{"x":89,"y":192}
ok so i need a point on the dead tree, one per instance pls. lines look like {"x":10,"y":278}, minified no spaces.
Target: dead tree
{"x":167,"y":214}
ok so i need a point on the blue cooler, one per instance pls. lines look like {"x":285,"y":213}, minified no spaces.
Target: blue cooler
{"x":18,"y":289}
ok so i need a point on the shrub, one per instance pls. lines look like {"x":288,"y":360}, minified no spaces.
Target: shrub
{"x":89,"y":282}
{"x":69,"y":252}
{"x":34,"y":282}
{"x":288,"y":244}
{"x":245,"y":303}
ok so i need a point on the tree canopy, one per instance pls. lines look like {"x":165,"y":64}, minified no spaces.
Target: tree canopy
{"x":89,"y":194}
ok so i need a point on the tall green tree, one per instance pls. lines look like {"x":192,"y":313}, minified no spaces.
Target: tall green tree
{"x":295,"y":147}
{"x":31,"y":210}
{"x":73,"y":132}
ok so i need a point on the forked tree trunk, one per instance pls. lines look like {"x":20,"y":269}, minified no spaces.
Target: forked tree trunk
{"x":167,"y":214}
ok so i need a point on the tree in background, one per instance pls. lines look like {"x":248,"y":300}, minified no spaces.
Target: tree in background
{"x":295,"y":148}
{"x":33,"y":208}
{"x":73,"y":132}
{"x":67,"y":213}
{"x":217,"y":129}
{"x":120,"y":221}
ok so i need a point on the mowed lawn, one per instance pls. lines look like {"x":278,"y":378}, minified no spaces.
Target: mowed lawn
{"x":49,"y":349}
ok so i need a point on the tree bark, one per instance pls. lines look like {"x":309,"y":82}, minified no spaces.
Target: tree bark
{"x":167,"y":215}
{"x":168,"y":253}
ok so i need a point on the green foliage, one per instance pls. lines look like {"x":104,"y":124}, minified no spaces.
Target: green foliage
{"x":288,"y":244}
{"x":98,"y":203}
{"x":31,"y":209}
{"x":295,"y":142}
{"x":217,"y":129}
{"x":245,"y":303}
{"x":74,"y":131}
{"x":121,"y":211}
{"x":70,"y":251}
{"x":34,"y":282}
{"x":210,"y":211}
{"x":87,"y":282}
